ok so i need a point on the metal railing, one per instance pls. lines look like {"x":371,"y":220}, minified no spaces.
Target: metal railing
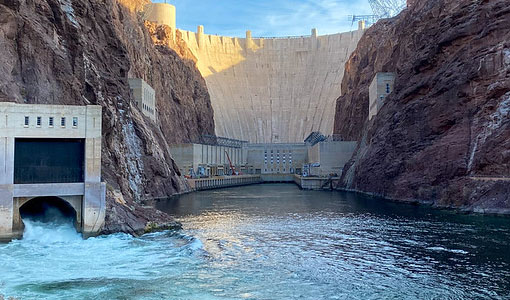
{"x":281,"y":37}
{"x":213,"y":140}
{"x":315,"y":138}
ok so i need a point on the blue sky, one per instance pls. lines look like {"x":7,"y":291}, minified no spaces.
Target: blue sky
{"x":268,"y":18}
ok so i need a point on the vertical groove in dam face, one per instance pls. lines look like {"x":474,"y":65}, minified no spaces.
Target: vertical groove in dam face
{"x":274,"y":90}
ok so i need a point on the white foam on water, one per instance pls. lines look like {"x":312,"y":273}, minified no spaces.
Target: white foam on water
{"x":456,"y":251}
{"x":49,"y":233}
{"x":195,"y":245}
{"x":54,"y":252}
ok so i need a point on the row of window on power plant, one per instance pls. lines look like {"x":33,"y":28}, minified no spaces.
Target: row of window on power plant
{"x":278,"y":157}
{"x":278,"y":153}
{"x":148,"y":108}
{"x":278,"y":170}
{"x":278,"y":161}
{"x":51,"y":121}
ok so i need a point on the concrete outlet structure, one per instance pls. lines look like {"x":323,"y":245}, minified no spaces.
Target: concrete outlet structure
{"x":145,"y":97}
{"x":381,"y":86}
{"x":50,"y":151}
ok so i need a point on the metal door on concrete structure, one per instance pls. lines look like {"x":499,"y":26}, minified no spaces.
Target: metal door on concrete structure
{"x":48,"y":161}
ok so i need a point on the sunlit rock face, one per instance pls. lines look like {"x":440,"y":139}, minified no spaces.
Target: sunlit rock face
{"x":83,"y":52}
{"x":443,"y":134}
{"x":275,"y":90}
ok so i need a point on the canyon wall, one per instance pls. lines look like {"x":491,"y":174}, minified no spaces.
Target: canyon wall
{"x":443,"y":134}
{"x":78,"y":52}
{"x":273,"y":90}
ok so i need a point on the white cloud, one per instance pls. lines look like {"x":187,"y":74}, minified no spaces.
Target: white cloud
{"x":269,"y":17}
{"x":328,"y":16}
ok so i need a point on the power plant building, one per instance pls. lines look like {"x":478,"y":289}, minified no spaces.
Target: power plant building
{"x":208,"y":160}
{"x":276,"y":158}
{"x":327,"y":157}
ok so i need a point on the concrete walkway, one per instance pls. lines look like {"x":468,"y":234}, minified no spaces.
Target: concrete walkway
{"x":490,"y":178}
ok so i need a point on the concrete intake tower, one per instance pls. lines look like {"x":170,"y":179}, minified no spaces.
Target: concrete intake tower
{"x":269,"y":90}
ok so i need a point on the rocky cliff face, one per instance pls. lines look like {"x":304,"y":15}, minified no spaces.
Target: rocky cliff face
{"x":80,"y":52}
{"x":443,"y":135}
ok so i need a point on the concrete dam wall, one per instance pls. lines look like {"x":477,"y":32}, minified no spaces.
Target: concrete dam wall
{"x":272,"y":90}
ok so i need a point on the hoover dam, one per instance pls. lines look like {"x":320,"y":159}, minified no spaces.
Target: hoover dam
{"x":114,"y":184}
{"x":272,"y":90}
{"x":268,"y":90}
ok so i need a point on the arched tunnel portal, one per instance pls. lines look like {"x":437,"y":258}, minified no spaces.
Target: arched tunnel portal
{"x":46,"y":210}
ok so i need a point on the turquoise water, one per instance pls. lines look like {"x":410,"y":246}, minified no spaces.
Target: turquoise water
{"x":270,"y":242}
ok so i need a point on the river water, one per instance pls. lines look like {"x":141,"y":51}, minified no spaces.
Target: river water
{"x":270,"y":242}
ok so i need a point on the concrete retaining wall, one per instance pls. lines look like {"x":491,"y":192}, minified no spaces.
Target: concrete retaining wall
{"x":306,"y":183}
{"x":222,"y":182}
{"x":313,"y":183}
{"x":277,"y":177}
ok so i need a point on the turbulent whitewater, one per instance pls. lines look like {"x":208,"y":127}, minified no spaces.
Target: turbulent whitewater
{"x":270,"y":242}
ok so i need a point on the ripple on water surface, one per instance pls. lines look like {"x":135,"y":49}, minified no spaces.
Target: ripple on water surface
{"x":270,"y":242}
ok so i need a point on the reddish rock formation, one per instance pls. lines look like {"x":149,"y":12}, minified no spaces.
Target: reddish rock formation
{"x":443,"y":135}
{"x":82,"y":52}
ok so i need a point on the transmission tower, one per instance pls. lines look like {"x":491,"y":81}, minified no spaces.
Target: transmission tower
{"x":369,"y":19}
{"x":387,"y":8}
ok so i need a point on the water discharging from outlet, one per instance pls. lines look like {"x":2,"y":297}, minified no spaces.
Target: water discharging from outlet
{"x":60,"y":230}
{"x":48,"y":209}
{"x":269,"y":242}
{"x":48,"y":219}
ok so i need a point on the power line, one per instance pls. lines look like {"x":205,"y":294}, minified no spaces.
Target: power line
{"x":369,"y":19}
{"x":387,"y":8}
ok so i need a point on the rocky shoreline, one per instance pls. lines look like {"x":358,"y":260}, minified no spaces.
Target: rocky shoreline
{"x":136,"y":219}
{"x":442,"y":135}
{"x":458,"y":209}
{"x":83,"y":52}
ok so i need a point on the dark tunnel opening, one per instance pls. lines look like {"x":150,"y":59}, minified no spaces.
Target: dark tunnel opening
{"x":49,"y":210}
